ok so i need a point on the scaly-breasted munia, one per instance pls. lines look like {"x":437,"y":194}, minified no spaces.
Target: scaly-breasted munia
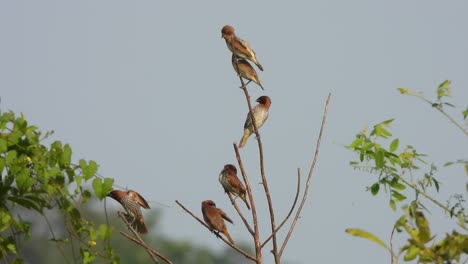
{"x":213,"y":217}
{"x":245,"y":70}
{"x":232,"y":184}
{"x":131,"y":202}
{"x":260,"y":113}
{"x":238,"y":46}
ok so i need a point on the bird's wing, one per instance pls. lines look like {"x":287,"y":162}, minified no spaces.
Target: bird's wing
{"x":246,"y":45}
{"x":234,"y":181}
{"x":140,"y":200}
{"x":224,"y":215}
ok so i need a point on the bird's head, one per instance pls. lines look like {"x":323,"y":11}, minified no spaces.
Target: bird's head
{"x":230,"y":167}
{"x":264,"y":100}
{"x":227,"y":32}
{"x":208,"y":203}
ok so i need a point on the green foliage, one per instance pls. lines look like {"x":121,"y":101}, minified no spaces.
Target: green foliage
{"x":397,"y":173}
{"x":38,"y":178}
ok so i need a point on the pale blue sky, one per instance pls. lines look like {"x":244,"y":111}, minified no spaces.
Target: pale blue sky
{"x":146,"y":88}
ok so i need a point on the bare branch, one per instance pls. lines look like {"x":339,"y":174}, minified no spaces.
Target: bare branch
{"x":233,"y":202}
{"x":262,"y":172}
{"x":258,"y":248}
{"x":222,"y":238}
{"x":292,"y":207}
{"x":309,"y":177}
{"x":153,"y":253}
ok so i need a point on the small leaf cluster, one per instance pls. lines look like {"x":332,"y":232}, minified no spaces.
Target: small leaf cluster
{"x":39,"y":178}
{"x":404,"y":173}
{"x":390,"y":165}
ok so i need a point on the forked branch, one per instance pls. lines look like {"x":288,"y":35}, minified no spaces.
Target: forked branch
{"x":222,"y":238}
{"x":139,"y":241}
{"x":309,"y":177}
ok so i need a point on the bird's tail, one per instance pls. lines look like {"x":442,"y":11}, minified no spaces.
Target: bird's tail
{"x":259,"y":65}
{"x":245,"y":200}
{"x":226,"y":233}
{"x":244,"y":138}
{"x":138,"y":224}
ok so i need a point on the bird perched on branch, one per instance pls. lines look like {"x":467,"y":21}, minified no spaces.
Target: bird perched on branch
{"x":131,"y":201}
{"x":231,"y":183}
{"x":260,"y":113}
{"x":239,"y":47}
{"x":213,"y":217}
{"x":245,"y":70}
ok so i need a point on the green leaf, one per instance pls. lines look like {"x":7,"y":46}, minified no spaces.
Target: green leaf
{"x":25,"y":203}
{"x":379,"y":158}
{"x":398,"y":196}
{"x":97,"y":187}
{"x":465,"y":113}
{"x":65,"y":158}
{"x":3,"y":145}
{"x":102,"y":187}
{"x":411,"y":253}
{"x":423,"y":226}
{"x":403,"y":90}
{"x":11,"y":247}
{"x":107,"y":186}
{"x":364,"y":234}
{"x":397,"y":185}
{"x":392,"y":204}
{"x":394,"y":145}
{"x":357,"y":142}
{"x":375,"y":188}
{"x":24,"y":180}
{"x":443,"y":89}
{"x":89,"y":170}
{"x":5,"y":219}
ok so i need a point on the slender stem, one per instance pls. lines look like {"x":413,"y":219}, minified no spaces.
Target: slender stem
{"x":309,"y":177}
{"x":233,"y":202}
{"x":391,"y":247}
{"x":450,"y":118}
{"x":222,"y":238}
{"x":262,"y":172}
{"x":153,"y":253}
{"x":415,"y":188}
{"x":292,"y":207}
{"x":258,"y":248}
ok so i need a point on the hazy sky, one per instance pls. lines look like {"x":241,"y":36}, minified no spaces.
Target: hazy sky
{"x":146,"y":89}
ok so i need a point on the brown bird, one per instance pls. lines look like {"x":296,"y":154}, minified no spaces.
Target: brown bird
{"x":245,"y":70}
{"x":260,"y":113}
{"x":232,"y":184}
{"x":214,"y":219}
{"x":238,"y":46}
{"x":131,"y":202}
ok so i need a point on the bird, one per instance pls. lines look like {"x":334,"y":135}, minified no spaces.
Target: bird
{"x":232,"y":184}
{"x":213,"y":217}
{"x":131,"y":201}
{"x":260,"y":113}
{"x":245,"y":70}
{"x":239,"y":47}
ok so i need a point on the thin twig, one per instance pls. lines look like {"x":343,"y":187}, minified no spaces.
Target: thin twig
{"x":391,"y":244}
{"x":436,"y":106}
{"x":262,"y":172}
{"x":146,"y":247}
{"x":292,"y":207}
{"x":258,"y":248}
{"x":309,"y":177}
{"x":233,"y":202}
{"x":221,"y":237}
{"x":153,"y":253}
